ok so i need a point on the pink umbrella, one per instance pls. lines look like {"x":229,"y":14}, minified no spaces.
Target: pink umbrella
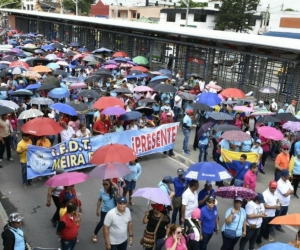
{"x":292,"y":126}
{"x":126,"y":65}
{"x":221,"y":97}
{"x":114,"y":111}
{"x":243,"y":108}
{"x":214,"y":86}
{"x":231,"y":192}
{"x":110,"y":66}
{"x":109,"y":170}
{"x":262,"y":112}
{"x":153,"y":194}
{"x":78,"y":56}
{"x":62,"y":63}
{"x":66,"y":179}
{"x":270,"y":133}
{"x":78,"y":85}
{"x":235,"y":135}
{"x":142,"y":89}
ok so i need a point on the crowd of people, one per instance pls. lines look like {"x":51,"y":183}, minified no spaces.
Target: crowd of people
{"x":197,"y":213}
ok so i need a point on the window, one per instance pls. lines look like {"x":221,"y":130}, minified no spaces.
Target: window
{"x":133,"y":14}
{"x":183,"y":16}
{"x":199,"y":18}
{"x":171,"y":17}
{"x":217,"y":6}
{"x":138,"y":16}
{"x":119,"y":14}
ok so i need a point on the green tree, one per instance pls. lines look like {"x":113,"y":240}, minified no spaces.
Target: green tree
{"x":10,"y":4}
{"x":288,"y":9}
{"x":193,"y":4}
{"x":236,"y":15}
{"x":84,"y":6}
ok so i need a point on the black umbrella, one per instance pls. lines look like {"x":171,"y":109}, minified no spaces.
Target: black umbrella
{"x":165,"y":88}
{"x":92,"y":79}
{"x":35,"y":61}
{"x":21,"y":93}
{"x":106,"y":71}
{"x":144,"y":110}
{"x":5,"y":110}
{"x":57,"y":45}
{"x":60,"y":72}
{"x":201,"y":106}
{"x":102,"y":74}
{"x":226,"y":127}
{"x":80,"y":107}
{"x":70,"y":53}
{"x":187,"y":96}
{"x":152,"y":85}
{"x":122,"y":90}
{"x":51,"y":80}
{"x":9,"y":58}
{"x":286,"y":117}
{"x":46,"y":87}
{"x":204,"y":128}
{"x":147,"y":100}
{"x":187,"y":87}
{"x":80,"y":66}
{"x":268,"y":118}
{"x":89,"y":94}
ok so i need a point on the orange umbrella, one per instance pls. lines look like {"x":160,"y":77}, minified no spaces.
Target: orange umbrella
{"x":108,"y":101}
{"x":140,"y":68}
{"x":41,"y":69}
{"x":233,"y":93}
{"x":120,"y":54}
{"x":289,"y":219}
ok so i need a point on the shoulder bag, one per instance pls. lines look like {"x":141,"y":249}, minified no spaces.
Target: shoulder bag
{"x":230,"y":233}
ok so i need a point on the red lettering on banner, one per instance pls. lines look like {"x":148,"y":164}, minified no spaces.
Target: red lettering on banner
{"x":143,"y":137}
{"x":158,"y":138}
{"x":153,"y":140}
{"x":163,"y":138}
{"x":195,"y":60}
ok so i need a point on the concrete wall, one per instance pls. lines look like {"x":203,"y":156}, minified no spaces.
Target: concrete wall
{"x":285,"y":21}
{"x":132,"y":13}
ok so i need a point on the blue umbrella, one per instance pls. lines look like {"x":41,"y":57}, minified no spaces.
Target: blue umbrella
{"x":120,"y":59}
{"x":136,"y":76}
{"x":47,"y":47}
{"x":102,"y":50}
{"x":64,"y":108}
{"x":74,"y":44}
{"x":53,"y":66}
{"x":207,"y":171}
{"x":132,"y":115}
{"x":210,"y":99}
{"x":12,"y":42}
{"x":33,"y":86}
{"x":278,"y":246}
{"x":165,"y":71}
{"x":21,"y":55}
{"x":71,"y":79}
{"x":3,"y":66}
{"x":159,"y":78}
{"x":27,"y":41}
{"x":84,"y":49}
{"x":59,"y":93}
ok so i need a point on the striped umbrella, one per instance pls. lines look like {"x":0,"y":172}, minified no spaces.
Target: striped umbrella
{"x":42,"y":101}
{"x":235,"y":135}
{"x":220,"y":116}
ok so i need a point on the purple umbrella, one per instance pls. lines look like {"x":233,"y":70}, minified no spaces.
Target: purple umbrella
{"x":114,"y":111}
{"x":131,"y":62}
{"x":231,"y":192}
{"x":153,"y":194}
{"x":15,"y":50}
{"x":110,"y":62}
{"x":204,"y":128}
{"x":110,"y":170}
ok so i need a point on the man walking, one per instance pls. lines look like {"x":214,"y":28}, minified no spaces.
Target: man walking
{"x":189,"y":200}
{"x":117,"y":225}
{"x":186,"y":129}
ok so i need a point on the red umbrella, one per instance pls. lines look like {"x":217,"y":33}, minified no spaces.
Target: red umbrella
{"x":106,"y":102}
{"x":19,"y":64}
{"x":120,"y":54}
{"x":233,"y":93}
{"x":139,"y":68}
{"x":113,"y":153}
{"x":41,"y":126}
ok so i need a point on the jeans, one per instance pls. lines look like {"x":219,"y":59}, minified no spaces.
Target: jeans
{"x":100,"y":223}
{"x":176,"y":114}
{"x":122,"y":246}
{"x":282,"y":211}
{"x":203,"y":150}
{"x":174,"y":215}
{"x":170,"y":152}
{"x":228,"y":244}
{"x":5,"y":145}
{"x":24,"y":172}
{"x":264,"y":230}
{"x":51,"y":139}
{"x":14,"y":140}
{"x":251,"y":236}
{"x":186,"y":133}
{"x":205,"y":240}
{"x":264,"y":158}
{"x":56,"y":201}
{"x":89,"y":121}
{"x":277,"y":175}
{"x":296,"y":180}
{"x":158,"y":245}
{"x":68,"y":244}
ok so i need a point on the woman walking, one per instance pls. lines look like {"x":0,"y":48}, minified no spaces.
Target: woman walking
{"x":175,"y":240}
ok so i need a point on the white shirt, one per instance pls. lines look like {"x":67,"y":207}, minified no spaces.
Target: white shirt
{"x":254,"y":208}
{"x":282,"y":188}
{"x":178,"y":104}
{"x":135,"y":127}
{"x":211,"y":89}
{"x":190,"y":201}
{"x":274,"y":106}
{"x":201,"y":85}
{"x":271,"y":200}
{"x":67,"y":134}
{"x":80,"y":135}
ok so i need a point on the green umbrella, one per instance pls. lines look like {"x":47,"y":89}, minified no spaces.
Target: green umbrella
{"x":92,"y":63}
{"x":27,"y":53}
{"x":140,"y":60}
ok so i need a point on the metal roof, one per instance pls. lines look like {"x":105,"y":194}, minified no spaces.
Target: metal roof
{"x":267,"y":42}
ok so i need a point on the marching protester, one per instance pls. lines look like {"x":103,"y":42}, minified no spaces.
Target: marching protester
{"x":175,"y":239}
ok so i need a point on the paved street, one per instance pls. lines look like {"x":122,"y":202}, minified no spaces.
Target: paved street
{"x":31,"y":202}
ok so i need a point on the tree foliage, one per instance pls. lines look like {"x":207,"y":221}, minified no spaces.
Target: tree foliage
{"x":236,"y":15}
{"x":193,"y":4}
{"x":83,"y":5}
{"x":10,"y":4}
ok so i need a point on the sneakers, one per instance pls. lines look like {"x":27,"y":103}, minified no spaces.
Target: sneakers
{"x":173,"y":156}
{"x":271,"y":238}
{"x":31,"y":184}
{"x":94,"y":239}
{"x":187,"y":153}
{"x":11,"y":159}
{"x":296,"y":196}
{"x":24,"y":185}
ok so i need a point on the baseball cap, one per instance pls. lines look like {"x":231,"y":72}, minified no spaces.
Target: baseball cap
{"x":260,"y":198}
{"x":286,"y":105}
{"x":159,"y":207}
{"x":196,"y":214}
{"x":273,"y":184}
{"x":273,"y":100}
{"x":177,"y":98}
{"x":168,"y":179}
{"x":122,"y":200}
{"x":258,"y":141}
{"x":15,"y":217}
{"x":261,"y":101}
{"x":210,"y":198}
{"x":248,"y":133}
{"x":285,"y":147}
{"x":238,"y":198}
{"x":208,"y":183}
{"x":285,"y":173}
{"x":68,"y":196}
{"x":189,"y":112}
{"x":180,"y":171}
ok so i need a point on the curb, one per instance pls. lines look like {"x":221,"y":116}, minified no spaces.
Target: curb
{"x":3,"y":216}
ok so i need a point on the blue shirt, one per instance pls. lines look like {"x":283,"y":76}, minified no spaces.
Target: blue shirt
{"x":246,"y":145}
{"x":296,"y":147}
{"x":136,"y":171}
{"x":179,"y":186}
{"x":187,"y":120}
{"x":164,"y":187}
{"x":296,"y":168}
{"x":203,"y":193}
{"x":237,"y":221}
{"x":204,"y":139}
{"x":240,"y":170}
{"x":208,"y":219}
{"x":107,"y":202}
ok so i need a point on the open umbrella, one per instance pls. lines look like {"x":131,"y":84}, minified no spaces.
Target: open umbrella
{"x":41,"y":69}
{"x":9,"y":104}
{"x":142,"y":89}
{"x":266,"y":119}
{"x":233,"y":93}
{"x":165,"y":71}
{"x":30,"y":113}
{"x":113,"y":153}
{"x":121,"y":90}
{"x":41,"y":126}
{"x":241,"y":108}
{"x":64,"y":108}
{"x":20,"y":64}
{"x":220,"y":116}
{"x":16,"y":70}
{"x":261,"y":112}
{"x":204,"y":128}
{"x":111,"y":66}
{"x":42,"y":101}
{"x":59,"y":93}
{"x":159,"y":78}
{"x":153,"y":194}
{"x":201,"y":106}
{"x":114,"y":111}
{"x":31,"y":74}
{"x":66,"y":179}
{"x":22,"y":92}
{"x":231,"y":192}
{"x":292,"y":126}
{"x":236,"y":135}
{"x":286,"y":117}
{"x":278,"y":246}
{"x":78,"y":85}
{"x":105,"y":102}
{"x":89,"y":58}
{"x":80,"y":107}
{"x":92,"y":79}
{"x":120,"y":59}
{"x":270,"y":133}
{"x":145,"y":110}
{"x":165,"y":88}
{"x":147,"y":100}
{"x":187,"y":96}
{"x":213,"y":86}
{"x":109,"y":170}
{"x":210,"y":99}
{"x":226,"y":127}
{"x":207,"y":171}
{"x":51,"y":57}
{"x":71,"y":79}
{"x":89,"y":94}
{"x":102,"y":50}
{"x":132,"y":115}
{"x":53,"y":66}
{"x":268,"y":90}
{"x":33,"y":86}
{"x":139,"y":68}
{"x":120,"y":54}
{"x":289,"y":219}
{"x":140,"y":60}
{"x":5,"y":110}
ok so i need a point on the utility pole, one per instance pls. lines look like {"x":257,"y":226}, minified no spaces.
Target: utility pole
{"x":266,"y":19}
{"x":76,"y":3}
{"x":61,"y":7}
{"x":187,"y":4}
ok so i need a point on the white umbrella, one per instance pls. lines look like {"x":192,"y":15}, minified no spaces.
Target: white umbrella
{"x":51,"y":57}
{"x":30,"y":113}
{"x":42,"y":101}
{"x":9,"y":104}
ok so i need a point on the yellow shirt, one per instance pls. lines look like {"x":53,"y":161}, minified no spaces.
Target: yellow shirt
{"x":62,"y":211}
{"x":21,"y":146}
{"x":45,"y":143}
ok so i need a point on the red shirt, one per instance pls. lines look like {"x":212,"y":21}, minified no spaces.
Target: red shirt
{"x":70,"y":231}
{"x":166,"y":121}
{"x":102,"y":126}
